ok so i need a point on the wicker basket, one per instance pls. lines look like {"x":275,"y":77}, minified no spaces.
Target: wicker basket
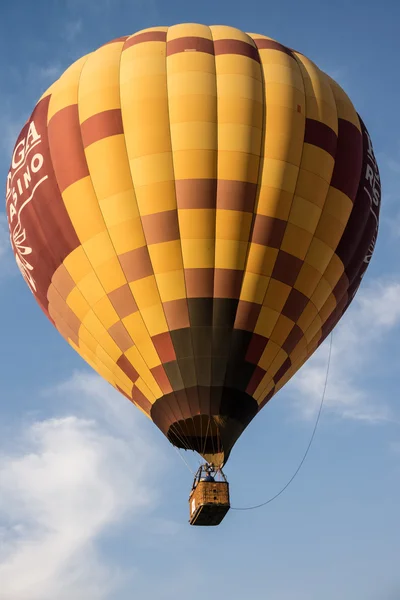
{"x":209,"y":503}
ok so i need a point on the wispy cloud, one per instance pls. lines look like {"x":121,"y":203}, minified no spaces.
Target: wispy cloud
{"x":73,"y":29}
{"x":10,"y":125}
{"x":374,"y":314}
{"x":8,"y":268}
{"x":395,"y":447}
{"x":48,"y":73}
{"x":393,"y":224}
{"x":4,"y":236}
{"x":389,"y":165}
{"x":66,"y":481}
{"x":147,"y":8}
{"x":339,"y":73}
{"x":394,"y":165}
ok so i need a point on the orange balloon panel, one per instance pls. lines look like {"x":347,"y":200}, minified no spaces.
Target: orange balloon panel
{"x":193,"y":208}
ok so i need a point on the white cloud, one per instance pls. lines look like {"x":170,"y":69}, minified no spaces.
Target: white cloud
{"x":374,"y":313}
{"x":89,"y":394}
{"x":67,"y":481}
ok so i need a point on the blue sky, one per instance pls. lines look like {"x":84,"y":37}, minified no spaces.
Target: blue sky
{"x":93,"y":500}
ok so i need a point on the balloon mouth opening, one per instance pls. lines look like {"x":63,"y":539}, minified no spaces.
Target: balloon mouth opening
{"x":211,"y":436}
{"x":212,"y":433}
{"x":200,"y":433}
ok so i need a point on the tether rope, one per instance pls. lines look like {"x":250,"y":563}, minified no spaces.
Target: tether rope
{"x":309,"y":444}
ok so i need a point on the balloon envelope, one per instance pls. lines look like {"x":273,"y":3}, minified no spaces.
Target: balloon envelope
{"x":194,"y":208}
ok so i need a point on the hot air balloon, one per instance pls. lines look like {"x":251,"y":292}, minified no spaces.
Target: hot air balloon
{"x":194,"y":208}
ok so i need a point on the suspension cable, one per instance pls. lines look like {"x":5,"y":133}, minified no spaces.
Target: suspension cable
{"x":184,"y":460}
{"x":309,"y":444}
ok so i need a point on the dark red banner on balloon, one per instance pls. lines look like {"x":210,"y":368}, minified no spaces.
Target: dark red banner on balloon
{"x":40,"y":229}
